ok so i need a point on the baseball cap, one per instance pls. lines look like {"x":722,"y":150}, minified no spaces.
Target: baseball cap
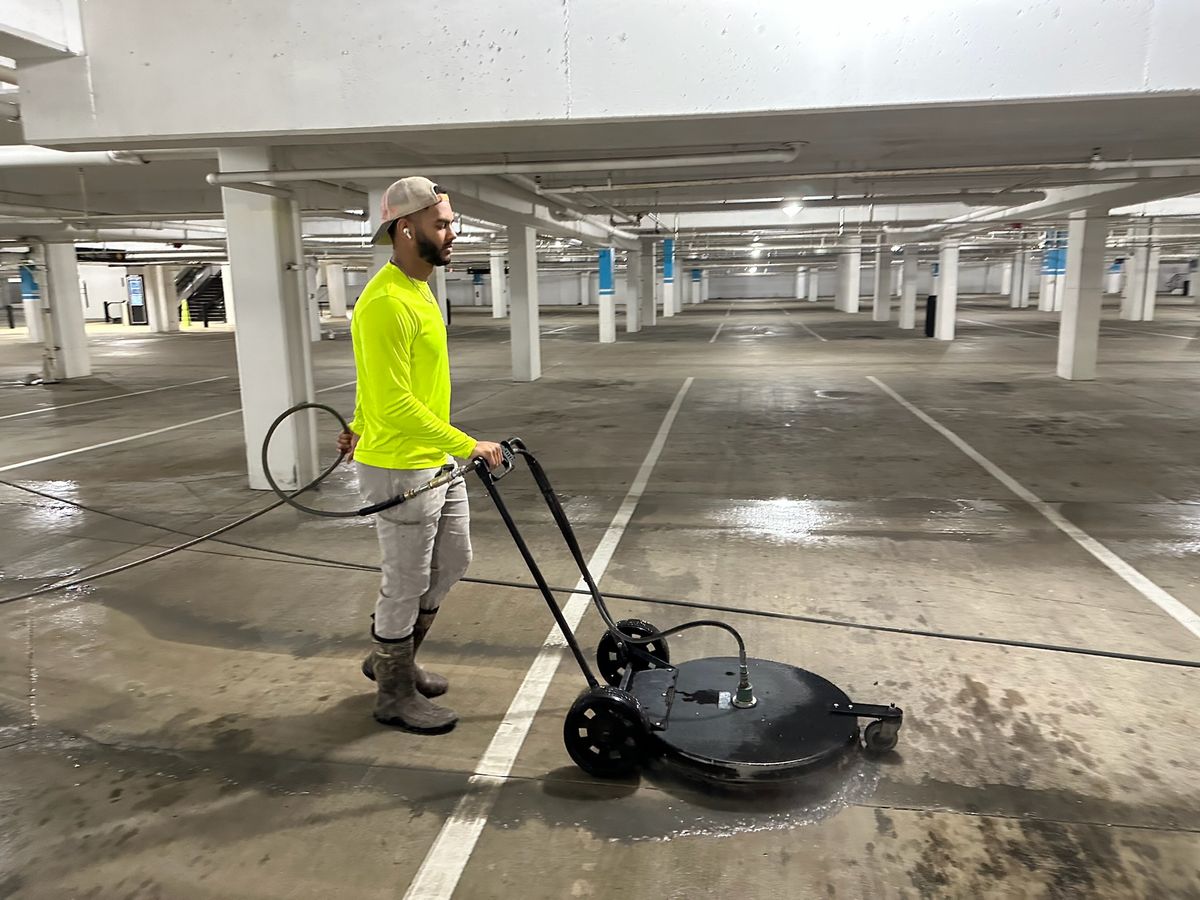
{"x":403,"y":198}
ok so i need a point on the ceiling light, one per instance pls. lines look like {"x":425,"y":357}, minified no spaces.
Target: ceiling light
{"x":753,"y":270}
{"x":791,"y":208}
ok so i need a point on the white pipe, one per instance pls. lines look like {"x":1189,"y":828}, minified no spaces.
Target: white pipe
{"x":507,"y":168}
{"x":31,"y":156}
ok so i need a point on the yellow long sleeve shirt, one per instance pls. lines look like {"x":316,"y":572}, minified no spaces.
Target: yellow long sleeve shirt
{"x":402,"y":407}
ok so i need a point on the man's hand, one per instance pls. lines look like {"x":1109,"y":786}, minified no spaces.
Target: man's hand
{"x":346,"y":443}
{"x":487,"y":450}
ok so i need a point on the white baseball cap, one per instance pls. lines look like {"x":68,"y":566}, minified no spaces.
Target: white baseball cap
{"x":403,"y":198}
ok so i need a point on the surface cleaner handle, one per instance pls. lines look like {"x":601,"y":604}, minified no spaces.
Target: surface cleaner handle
{"x":508,"y":460}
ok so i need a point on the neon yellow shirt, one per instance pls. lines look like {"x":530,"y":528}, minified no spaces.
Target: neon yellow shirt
{"x":402,"y":407}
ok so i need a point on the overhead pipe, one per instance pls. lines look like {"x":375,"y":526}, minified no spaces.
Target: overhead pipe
{"x":26,"y":156}
{"x":228,"y":179}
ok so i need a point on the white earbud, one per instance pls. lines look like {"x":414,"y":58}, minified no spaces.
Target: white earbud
{"x":407,"y":233}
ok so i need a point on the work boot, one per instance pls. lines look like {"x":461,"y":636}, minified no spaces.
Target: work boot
{"x":431,"y":684}
{"x":398,"y":702}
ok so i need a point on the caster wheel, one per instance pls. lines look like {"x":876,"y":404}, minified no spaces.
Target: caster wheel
{"x":881,"y":738}
{"x":612,"y":659}
{"x":604,"y":733}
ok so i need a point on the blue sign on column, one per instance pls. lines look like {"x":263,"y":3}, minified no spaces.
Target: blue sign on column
{"x":668,"y":261}
{"x":606,"y":273}
{"x":1054,"y":256}
{"x":477,"y":278}
{"x":696,"y":275}
{"x":29,"y":285}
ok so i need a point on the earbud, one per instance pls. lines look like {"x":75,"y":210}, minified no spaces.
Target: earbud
{"x":407,"y":233}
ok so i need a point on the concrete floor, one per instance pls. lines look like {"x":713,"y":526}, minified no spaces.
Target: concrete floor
{"x":198,"y":727}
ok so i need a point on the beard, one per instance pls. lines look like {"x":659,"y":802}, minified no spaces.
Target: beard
{"x":431,"y":252}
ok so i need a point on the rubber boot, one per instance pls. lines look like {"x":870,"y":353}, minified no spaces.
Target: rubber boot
{"x":398,"y":702}
{"x":431,"y":684}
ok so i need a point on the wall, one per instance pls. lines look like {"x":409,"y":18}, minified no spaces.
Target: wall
{"x":98,"y":283}
{"x":56,"y":21}
{"x":313,"y":65}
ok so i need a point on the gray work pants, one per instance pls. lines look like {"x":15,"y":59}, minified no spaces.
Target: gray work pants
{"x":425,"y":544}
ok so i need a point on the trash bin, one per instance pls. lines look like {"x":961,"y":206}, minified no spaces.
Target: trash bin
{"x":930,"y":314}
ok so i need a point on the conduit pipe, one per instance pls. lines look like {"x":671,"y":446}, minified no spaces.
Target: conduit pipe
{"x":27,"y":156}
{"x":229,"y":179}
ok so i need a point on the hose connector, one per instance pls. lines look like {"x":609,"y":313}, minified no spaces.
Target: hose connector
{"x":744,"y":699}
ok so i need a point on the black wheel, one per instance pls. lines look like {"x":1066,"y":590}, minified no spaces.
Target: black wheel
{"x":612,"y":660}
{"x":880,"y":738}
{"x":604,"y":733}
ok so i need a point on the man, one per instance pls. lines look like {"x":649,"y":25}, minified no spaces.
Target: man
{"x":401,"y":436}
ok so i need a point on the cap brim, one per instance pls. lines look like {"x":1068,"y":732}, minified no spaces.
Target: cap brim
{"x":381,"y":235}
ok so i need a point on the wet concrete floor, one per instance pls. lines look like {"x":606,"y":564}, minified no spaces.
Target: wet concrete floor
{"x":198,"y":728}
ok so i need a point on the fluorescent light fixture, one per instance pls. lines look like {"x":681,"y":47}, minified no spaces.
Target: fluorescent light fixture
{"x":753,"y":270}
{"x":756,"y":252}
{"x":792,"y":208}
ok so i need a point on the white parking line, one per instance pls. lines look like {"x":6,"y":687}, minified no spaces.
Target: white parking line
{"x":451,"y":851}
{"x":170,"y":387}
{"x":1178,"y":337}
{"x":1135,"y":579}
{"x":138,"y":437}
{"x":717,"y":333}
{"x":813,"y":333}
{"x":1053,"y":337}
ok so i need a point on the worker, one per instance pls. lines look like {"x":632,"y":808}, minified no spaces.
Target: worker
{"x":401,"y":437}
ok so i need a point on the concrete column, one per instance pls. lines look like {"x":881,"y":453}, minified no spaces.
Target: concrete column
{"x":66,"y":354}
{"x":908,"y":279}
{"x":585,"y":288}
{"x":335,"y":287}
{"x":1053,"y":272}
{"x":633,"y":283}
{"x":947,"y":292}
{"x":498,"y":286}
{"x":310,"y":277}
{"x":1027,"y":271}
{"x":382,"y":254}
{"x":227,"y":292}
{"x":523,"y":293}
{"x":162,"y":303}
{"x":649,"y":281}
{"x":606,"y":290}
{"x":704,"y":286}
{"x":882,"y":308}
{"x":1016,"y":270}
{"x":683,"y":283}
{"x":668,"y":279}
{"x":1193,"y":274}
{"x":1151,"y":296}
{"x":849,"y":280}
{"x":1112,"y":278}
{"x":273,"y":347}
{"x":1079,"y":328}
{"x":440,"y":294}
{"x":1136,"y":266}
{"x":801,"y":282}
{"x":814,"y":284}
{"x":1006,"y":279}
{"x":32,"y":288}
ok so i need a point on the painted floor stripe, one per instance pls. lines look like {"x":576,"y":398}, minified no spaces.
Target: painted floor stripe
{"x":138,"y":437}
{"x":451,"y":851}
{"x":717,"y":333}
{"x":169,"y":387}
{"x":1053,"y":337}
{"x":1135,"y":579}
{"x":1178,"y":337}
{"x":813,"y":333}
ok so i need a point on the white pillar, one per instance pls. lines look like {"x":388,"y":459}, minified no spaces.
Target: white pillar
{"x":704,"y":285}
{"x":440,"y":294}
{"x":668,"y":298}
{"x":649,"y":281}
{"x":947,"y":292}
{"x":308,"y":281}
{"x":162,"y":303}
{"x":477,"y":290}
{"x":801,"y":282}
{"x":814,"y":284}
{"x":1006,"y":278}
{"x":606,"y":287}
{"x":882,"y":308}
{"x":1027,"y":272}
{"x":1079,"y":328}
{"x":1112,"y":278}
{"x":683,"y":281}
{"x":32,"y":302}
{"x":849,"y":281}
{"x":497,"y":285}
{"x":1151,"y":295}
{"x":335,"y":279}
{"x":1136,"y":267}
{"x":274,"y":364}
{"x":585,"y":288}
{"x":633,"y":285}
{"x":227,"y":292}
{"x":1016,"y":279}
{"x":1193,"y":275}
{"x":908,"y":279}
{"x":66,"y":353}
{"x":380,"y":254}
{"x":523,"y":294}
